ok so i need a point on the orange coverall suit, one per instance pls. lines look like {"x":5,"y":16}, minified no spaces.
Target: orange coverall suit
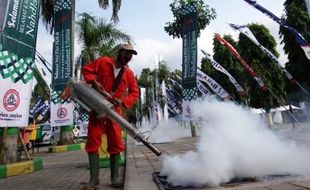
{"x":102,"y":70}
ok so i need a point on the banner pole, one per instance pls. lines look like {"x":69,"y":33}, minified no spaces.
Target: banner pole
{"x":23,"y":143}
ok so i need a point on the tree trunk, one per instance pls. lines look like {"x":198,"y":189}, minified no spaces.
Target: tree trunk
{"x":66,"y":135}
{"x":3,"y":134}
{"x":193,"y":129}
{"x":269,"y":117}
{"x":10,"y":146}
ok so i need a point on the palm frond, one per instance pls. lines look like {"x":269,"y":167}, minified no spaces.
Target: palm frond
{"x":116,"y":8}
{"x":47,"y":12}
{"x":103,"y":3}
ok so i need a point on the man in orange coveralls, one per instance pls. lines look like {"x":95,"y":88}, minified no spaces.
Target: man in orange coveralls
{"x":116,"y":78}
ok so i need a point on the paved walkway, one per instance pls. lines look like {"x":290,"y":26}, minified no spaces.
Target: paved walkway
{"x":61,"y":171}
{"x":64,"y":171}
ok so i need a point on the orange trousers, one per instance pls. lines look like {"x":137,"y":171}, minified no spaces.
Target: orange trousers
{"x":98,"y":127}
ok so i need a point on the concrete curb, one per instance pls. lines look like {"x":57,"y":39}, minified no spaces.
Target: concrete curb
{"x":131,"y":174}
{"x":66,"y":148}
{"x":20,"y":168}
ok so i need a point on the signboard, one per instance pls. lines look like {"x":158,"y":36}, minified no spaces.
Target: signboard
{"x":17,"y":50}
{"x":61,"y":111}
{"x":189,"y":61}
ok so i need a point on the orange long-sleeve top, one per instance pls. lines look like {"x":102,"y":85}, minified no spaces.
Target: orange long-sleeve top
{"x":102,"y":70}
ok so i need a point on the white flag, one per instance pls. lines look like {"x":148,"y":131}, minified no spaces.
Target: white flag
{"x":247,"y":32}
{"x":218,"y":67}
{"x":221,"y":92}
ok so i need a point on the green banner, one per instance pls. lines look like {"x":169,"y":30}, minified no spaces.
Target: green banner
{"x":18,"y":39}
{"x":62,"y":111}
{"x":17,"y":51}
{"x":189,"y":61}
{"x":62,"y":47}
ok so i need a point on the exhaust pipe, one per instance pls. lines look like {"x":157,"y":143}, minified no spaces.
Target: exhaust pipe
{"x":91,"y":99}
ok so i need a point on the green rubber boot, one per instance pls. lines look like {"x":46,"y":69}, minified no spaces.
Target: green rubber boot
{"x":94,"y":172}
{"x":114,"y":164}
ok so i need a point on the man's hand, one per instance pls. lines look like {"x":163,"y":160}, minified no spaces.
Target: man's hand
{"x":119,"y":101}
{"x":99,"y":88}
{"x":115,"y":101}
{"x":97,"y":85}
{"x":66,"y":93}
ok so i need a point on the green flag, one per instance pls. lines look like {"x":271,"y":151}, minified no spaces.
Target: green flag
{"x":18,"y":37}
{"x":62,"y":111}
{"x":189,"y":61}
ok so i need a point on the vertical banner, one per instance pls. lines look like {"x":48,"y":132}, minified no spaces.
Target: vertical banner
{"x":18,"y":37}
{"x":189,"y":61}
{"x":62,"y":111}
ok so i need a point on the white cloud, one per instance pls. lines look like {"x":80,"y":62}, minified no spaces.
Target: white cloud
{"x":151,"y":41}
{"x":147,"y":49}
{"x":45,"y":44}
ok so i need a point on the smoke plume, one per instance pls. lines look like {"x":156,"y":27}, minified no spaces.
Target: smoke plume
{"x":234,"y":143}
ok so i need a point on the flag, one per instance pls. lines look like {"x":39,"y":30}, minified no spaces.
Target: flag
{"x":247,"y":32}
{"x":18,"y":36}
{"x":44,"y":111}
{"x":298,"y":37}
{"x":204,"y":90}
{"x":218,"y":67}
{"x":164,"y":95}
{"x":35,"y":106}
{"x":217,"y":89}
{"x":142,"y":95}
{"x":62,"y":111}
{"x":245,"y":65}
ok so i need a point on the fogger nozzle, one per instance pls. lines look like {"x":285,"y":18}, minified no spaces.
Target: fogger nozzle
{"x":90,"y":99}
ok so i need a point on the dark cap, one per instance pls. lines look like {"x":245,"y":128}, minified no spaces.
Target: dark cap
{"x":127,"y":47}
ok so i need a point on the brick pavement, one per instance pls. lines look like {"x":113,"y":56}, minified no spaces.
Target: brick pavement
{"x":64,"y":171}
{"x":141,"y":163}
{"x":61,"y":171}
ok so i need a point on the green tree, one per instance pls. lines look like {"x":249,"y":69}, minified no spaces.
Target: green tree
{"x":205,"y":15}
{"x":47,"y":11}
{"x":146,"y":81}
{"x":224,"y":57}
{"x":98,"y":38}
{"x":265,"y":68}
{"x":163,"y":71}
{"x":298,"y":65}
{"x":163,"y":75}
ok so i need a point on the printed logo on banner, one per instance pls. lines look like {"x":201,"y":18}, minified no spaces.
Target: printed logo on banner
{"x":11,"y":100}
{"x":62,"y":112}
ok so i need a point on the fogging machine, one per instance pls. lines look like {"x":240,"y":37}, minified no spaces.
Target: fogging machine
{"x":91,"y":99}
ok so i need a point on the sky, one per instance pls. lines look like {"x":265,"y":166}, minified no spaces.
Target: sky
{"x":144,"y":20}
